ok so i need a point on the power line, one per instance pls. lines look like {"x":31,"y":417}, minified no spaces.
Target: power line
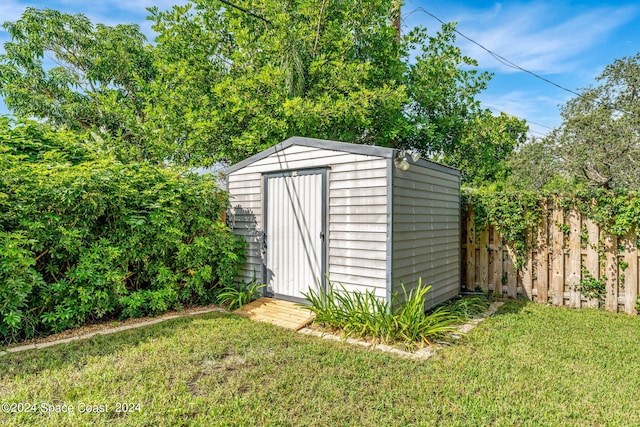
{"x":498,"y":57}
{"x":247,"y":11}
{"x":522,"y":118}
{"x":511,"y":64}
{"x":517,"y":117}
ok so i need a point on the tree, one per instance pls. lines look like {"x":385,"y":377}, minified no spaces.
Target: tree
{"x":535,"y":167}
{"x":487,"y":143}
{"x":319,"y":69}
{"x":598,"y":143}
{"x":599,"y":140}
{"x":224,"y":81}
{"x":95,"y":80}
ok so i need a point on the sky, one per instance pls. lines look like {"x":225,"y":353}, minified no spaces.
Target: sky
{"x":566,"y":42}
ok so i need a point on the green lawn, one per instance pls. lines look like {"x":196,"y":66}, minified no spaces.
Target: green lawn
{"x":527,"y":365}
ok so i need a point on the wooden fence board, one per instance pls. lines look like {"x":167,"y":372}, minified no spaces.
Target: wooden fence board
{"x":470,"y":254}
{"x":611,"y":273}
{"x":542,"y":271}
{"x":510,"y":270}
{"x":574,"y":273}
{"x":592,"y":264}
{"x":527,"y":275}
{"x":630,"y":257}
{"x":496,"y":262}
{"x":557,"y":243}
{"x":564,"y":251}
{"x":483,"y":245}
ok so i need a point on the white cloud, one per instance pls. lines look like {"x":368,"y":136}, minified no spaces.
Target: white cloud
{"x":109,"y":12}
{"x":10,"y":10}
{"x":541,"y":111}
{"x":539,"y":37}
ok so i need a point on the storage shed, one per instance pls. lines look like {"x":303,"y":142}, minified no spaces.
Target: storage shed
{"x":368,"y":217}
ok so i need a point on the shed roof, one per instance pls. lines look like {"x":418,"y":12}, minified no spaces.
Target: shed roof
{"x":367,"y":150}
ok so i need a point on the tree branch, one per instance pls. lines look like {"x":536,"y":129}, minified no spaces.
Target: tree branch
{"x":315,"y":42}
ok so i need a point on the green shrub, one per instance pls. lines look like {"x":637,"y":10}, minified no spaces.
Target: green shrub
{"x":237,"y":295}
{"x":86,"y":237}
{"x":18,"y":280}
{"x":365,"y":315}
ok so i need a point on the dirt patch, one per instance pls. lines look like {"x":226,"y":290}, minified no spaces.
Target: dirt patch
{"x":221,"y":368}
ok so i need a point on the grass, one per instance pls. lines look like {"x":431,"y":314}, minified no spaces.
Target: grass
{"x":527,"y":365}
{"x":465,"y":307}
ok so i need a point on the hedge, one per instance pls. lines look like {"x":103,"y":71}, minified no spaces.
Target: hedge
{"x":84,"y":237}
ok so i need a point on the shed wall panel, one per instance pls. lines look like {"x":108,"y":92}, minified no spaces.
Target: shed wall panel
{"x":357,"y":225}
{"x":426,"y":232}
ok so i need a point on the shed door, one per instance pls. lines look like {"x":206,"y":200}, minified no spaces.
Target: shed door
{"x":294,"y":232}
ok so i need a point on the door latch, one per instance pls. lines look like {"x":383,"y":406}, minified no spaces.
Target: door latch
{"x":264,"y":243}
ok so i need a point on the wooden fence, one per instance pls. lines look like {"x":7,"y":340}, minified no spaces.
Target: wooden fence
{"x":567,"y":251}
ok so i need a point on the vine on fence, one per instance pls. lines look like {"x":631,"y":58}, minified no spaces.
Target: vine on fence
{"x":516,"y":215}
{"x":513,"y":214}
{"x":591,"y":287}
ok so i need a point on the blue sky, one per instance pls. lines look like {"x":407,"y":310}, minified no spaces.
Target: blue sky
{"x":567,"y":42}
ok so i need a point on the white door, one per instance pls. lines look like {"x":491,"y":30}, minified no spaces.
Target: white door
{"x":294,"y":232}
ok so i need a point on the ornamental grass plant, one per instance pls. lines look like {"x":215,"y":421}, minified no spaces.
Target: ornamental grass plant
{"x":366,"y":316}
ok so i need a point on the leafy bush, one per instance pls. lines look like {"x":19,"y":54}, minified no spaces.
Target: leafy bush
{"x":237,"y":295}
{"x":18,"y":280}
{"x":365,"y":315}
{"x":84,"y":236}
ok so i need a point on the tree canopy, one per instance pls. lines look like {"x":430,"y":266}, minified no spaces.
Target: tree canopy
{"x":598,"y":142}
{"x":222,"y":83}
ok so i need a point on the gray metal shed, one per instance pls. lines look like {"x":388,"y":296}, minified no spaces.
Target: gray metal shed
{"x":309,"y":206}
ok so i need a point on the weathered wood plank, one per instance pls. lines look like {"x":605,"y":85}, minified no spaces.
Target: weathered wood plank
{"x":510,"y":269}
{"x":542,"y":270}
{"x":557,"y":261}
{"x":611,"y":273}
{"x":484,"y":257}
{"x":591,"y":263}
{"x":574,"y":269}
{"x":496,"y":262}
{"x":630,"y":257}
{"x":470,"y":254}
{"x":526,"y":274}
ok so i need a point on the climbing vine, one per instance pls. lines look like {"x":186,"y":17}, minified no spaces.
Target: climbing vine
{"x":516,"y":215}
{"x":616,"y":212}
